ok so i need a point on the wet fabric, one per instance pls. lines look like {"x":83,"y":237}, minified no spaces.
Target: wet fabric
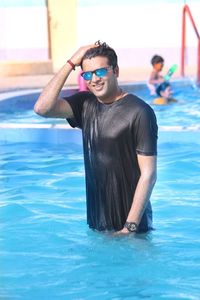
{"x":113,"y":135}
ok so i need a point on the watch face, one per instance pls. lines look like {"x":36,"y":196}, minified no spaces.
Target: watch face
{"x":132,"y":227}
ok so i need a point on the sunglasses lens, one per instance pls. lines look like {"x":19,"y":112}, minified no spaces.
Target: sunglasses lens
{"x":101,"y":72}
{"x":87,"y":75}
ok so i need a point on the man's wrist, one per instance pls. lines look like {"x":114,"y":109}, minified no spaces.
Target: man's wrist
{"x":71,"y":64}
{"x":131,"y":226}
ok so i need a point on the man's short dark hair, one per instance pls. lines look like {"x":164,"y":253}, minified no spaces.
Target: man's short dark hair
{"x":157,"y":59}
{"x":102,"y":50}
{"x":162,"y":87}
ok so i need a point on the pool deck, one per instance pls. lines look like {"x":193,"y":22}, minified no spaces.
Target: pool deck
{"x":11,"y":83}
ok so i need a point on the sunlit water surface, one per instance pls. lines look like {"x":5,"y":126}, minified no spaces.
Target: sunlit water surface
{"x":185,"y":112}
{"x":48,"y":252}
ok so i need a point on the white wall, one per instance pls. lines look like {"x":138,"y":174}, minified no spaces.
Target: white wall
{"x":23,"y":32}
{"x":139,"y":30}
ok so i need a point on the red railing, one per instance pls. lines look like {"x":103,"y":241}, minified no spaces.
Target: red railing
{"x":187,"y":10}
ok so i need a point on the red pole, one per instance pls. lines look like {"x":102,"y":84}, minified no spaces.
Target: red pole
{"x":186,"y":9}
{"x":48,"y":30}
{"x":198,"y":63}
{"x":192,"y":20}
{"x":183,"y":43}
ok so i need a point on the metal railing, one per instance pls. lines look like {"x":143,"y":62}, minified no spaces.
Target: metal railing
{"x":186,"y":10}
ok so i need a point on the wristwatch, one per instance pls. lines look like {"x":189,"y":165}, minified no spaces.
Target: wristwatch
{"x":131,"y":226}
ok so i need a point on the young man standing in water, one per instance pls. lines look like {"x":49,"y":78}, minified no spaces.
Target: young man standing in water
{"x":119,"y":140}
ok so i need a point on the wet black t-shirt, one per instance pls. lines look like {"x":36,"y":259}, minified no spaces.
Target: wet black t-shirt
{"x":113,"y":135}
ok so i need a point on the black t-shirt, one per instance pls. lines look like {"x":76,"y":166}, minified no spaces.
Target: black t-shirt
{"x":113,"y":135}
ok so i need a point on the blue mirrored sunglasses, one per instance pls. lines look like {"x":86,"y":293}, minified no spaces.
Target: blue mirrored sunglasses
{"x":98,"y":72}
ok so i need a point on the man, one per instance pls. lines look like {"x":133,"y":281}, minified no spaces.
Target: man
{"x":119,"y":140}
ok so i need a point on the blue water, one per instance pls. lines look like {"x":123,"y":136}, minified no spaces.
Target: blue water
{"x":46,"y":248}
{"x":48,"y":252}
{"x":184,"y":113}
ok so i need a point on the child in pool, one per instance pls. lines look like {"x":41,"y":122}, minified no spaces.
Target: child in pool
{"x":155,"y":77}
{"x":164,"y":92}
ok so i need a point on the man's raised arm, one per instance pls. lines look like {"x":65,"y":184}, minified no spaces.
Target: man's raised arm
{"x":49,"y":104}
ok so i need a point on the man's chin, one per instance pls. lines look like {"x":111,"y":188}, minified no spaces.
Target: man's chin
{"x":98,"y":94}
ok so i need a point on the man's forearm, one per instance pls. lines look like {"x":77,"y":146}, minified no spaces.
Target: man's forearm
{"x":50,"y":93}
{"x":141,"y":197}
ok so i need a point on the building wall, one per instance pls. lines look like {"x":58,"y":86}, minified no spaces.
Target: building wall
{"x":38,"y":36}
{"x":140,"y":29}
{"x":63,"y":30}
{"x":23,"y":30}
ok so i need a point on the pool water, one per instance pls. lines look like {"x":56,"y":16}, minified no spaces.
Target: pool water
{"x":48,"y":252}
{"x":17,"y":107}
{"x":184,"y":113}
{"x":28,"y":117}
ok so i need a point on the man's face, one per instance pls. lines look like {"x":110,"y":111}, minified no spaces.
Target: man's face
{"x":102,"y":80}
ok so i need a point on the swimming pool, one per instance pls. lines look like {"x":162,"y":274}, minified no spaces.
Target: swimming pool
{"x":20,"y":107}
{"x":46,"y":248}
{"x":48,"y":252}
{"x":184,"y":113}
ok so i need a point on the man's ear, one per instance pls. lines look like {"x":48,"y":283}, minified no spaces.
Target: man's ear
{"x":116,"y":71}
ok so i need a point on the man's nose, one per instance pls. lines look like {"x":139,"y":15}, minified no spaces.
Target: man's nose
{"x":95,"y":77}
